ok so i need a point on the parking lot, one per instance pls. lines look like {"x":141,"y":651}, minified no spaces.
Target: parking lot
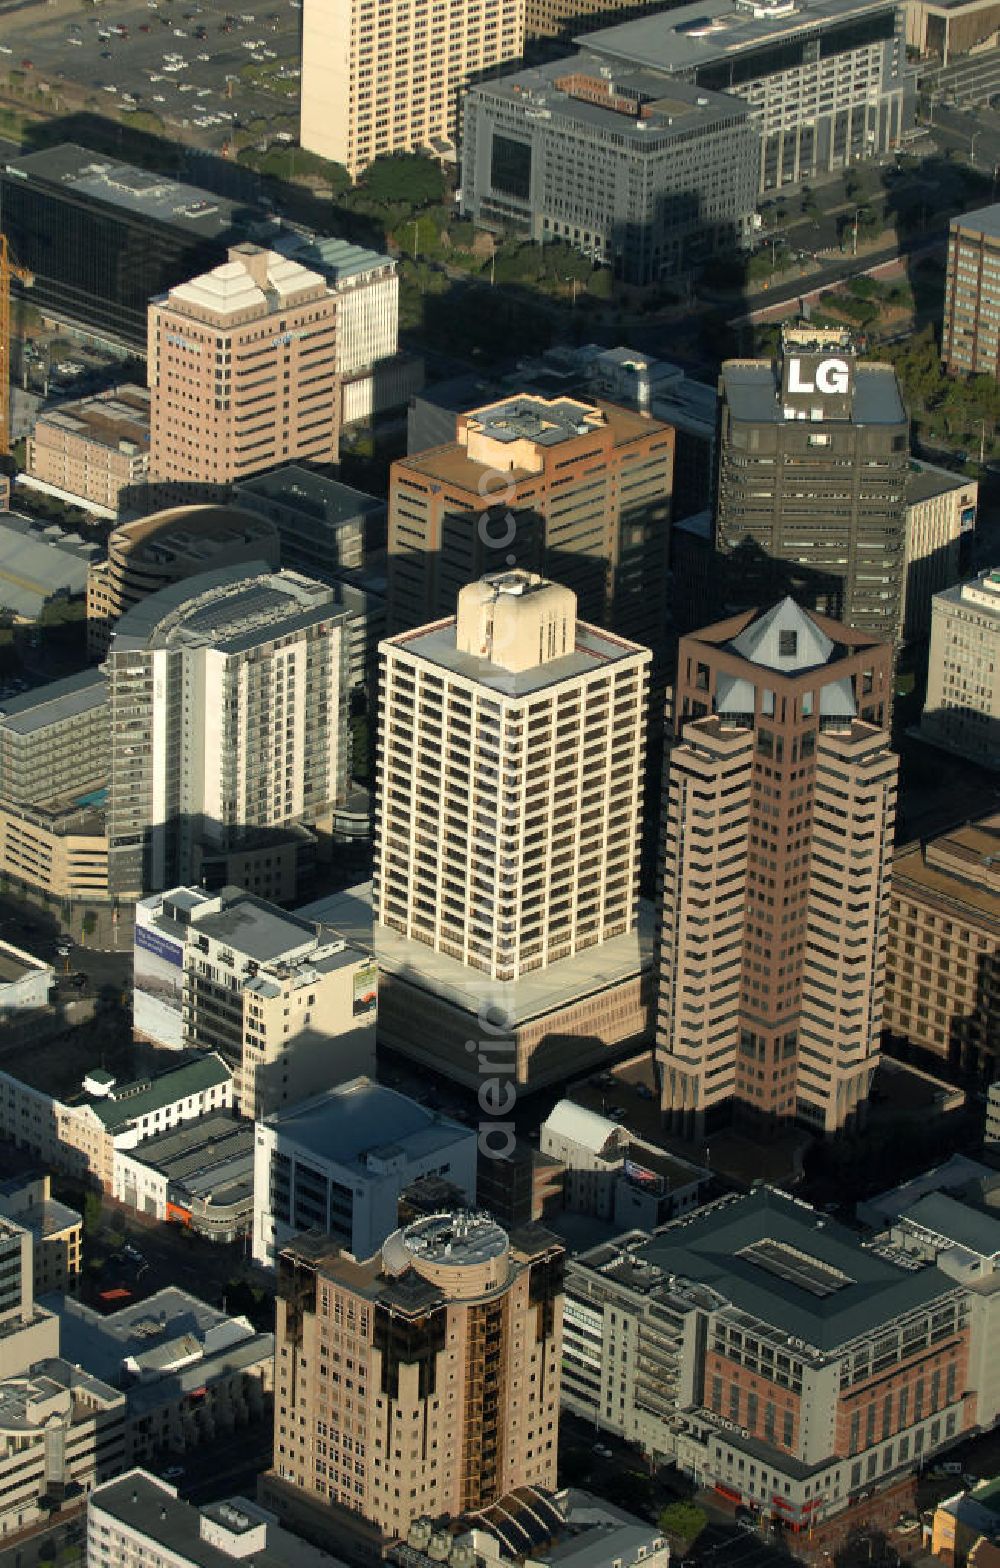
{"x":196,"y":64}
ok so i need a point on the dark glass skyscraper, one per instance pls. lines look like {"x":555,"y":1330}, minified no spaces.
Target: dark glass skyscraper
{"x":813,"y":461}
{"x":102,"y":237}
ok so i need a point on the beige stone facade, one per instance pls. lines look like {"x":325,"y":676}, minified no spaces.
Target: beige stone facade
{"x":579,"y":491}
{"x":95,"y":448}
{"x":242,"y":371}
{"x":382,"y":78}
{"x":962,"y":709}
{"x":940,"y":508}
{"x":56,"y":1230}
{"x":154,"y":551}
{"x":541,"y":721}
{"x":423,"y":1381}
{"x":62,"y":853}
{"x":942,"y":989}
{"x":779,"y":818}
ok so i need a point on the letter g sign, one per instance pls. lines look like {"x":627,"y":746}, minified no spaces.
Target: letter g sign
{"x":832,"y":376}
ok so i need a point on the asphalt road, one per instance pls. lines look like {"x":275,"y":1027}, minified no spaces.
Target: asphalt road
{"x":63,"y":42}
{"x":975,"y":132}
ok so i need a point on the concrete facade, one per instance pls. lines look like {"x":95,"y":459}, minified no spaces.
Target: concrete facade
{"x":826,"y":80}
{"x":640,"y":172}
{"x":813,"y":466}
{"x":383,"y":81}
{"x":95,"y":448}
{"x":940,"y":513}
{"x":228,"y":724}
{"x":56,"y":1230}
{"x":289,"y":1006}
{"x":340,"y":1161}
{"x":942,"y":982}
{"x":970,"y":344}
{"x":769,"y":1355}
{"x":579,"y":491}
{"x":242,"y":371}
{"x":773,"y":941}
{"x":962,"y":708}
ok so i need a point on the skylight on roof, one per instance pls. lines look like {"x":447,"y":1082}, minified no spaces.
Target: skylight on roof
{"x":795,"y":1267}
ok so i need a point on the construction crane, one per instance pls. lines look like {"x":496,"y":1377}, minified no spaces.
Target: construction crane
{"x":8,"y":269}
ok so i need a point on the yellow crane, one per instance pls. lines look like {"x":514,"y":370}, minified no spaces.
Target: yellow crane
{"x":8,"y":269}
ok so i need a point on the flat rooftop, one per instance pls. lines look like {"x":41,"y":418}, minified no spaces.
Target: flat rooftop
{"x":54,"y":703}
{"x":787,"y":1267}
{"x":349,"y":913}
{"x":361,"y":1118}
{"x":925,"y":481}
{"x":693,"y":35}
{"x":15,"y":964}
{"x":109,"y":419}
{"x":257,"y":929}
{"x":452,"y":465}
{"x":103,"y":1343}
{"x":137,"y":192}
{"x":662,"y":107}
{"x":144,"y":1503}
{"x":232,"y":608}
{"x":594,"y":651}
{"x":971,"y":848}
{"x":753,"y":391}
{"x":984,"y":220}
{"x":302,"y":490}
{"x":38,"y":561}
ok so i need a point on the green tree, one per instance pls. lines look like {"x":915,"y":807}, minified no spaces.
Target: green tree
{"x":406,"y":178}
{"x":92,"y":1213}
{"x":684,"y":1522}
{"x":89,"y":922}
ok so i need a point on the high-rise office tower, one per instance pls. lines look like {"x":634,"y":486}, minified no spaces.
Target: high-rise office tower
{"x":422,"y":1381}
{"x":228,"y":726}
{"x":970,"y":342}
{"x":507,"y":822}
{"x":539,"y":719}
{"x":580,"y":491}
{"x":962,"y":708}
{"x":777,"y":863}
{"x":243,"y":372}
{"x":383,"y":77}
{"x":813,"y":469}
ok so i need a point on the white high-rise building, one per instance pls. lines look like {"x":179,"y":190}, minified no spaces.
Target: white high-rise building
{"x":382,"y":76}
{"x":510,"y":778}
{"x":228,"y":730}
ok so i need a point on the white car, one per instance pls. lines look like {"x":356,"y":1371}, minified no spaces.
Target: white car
{"x":77,"y":41}
{"x":110,"y":88}
{"x":186,"y":87}
{"x":158,"y":98}
{"x":156,"y":76}
{"x":204,"y":57}
{"x":204,"y":92}
{"x":6,"y":49}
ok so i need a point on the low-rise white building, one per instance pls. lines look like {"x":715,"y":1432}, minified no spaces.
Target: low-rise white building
{"x":25,"y":981}
{"x":138,"y":1521}
{"x":189,"y":1373}
{"x":340,"y":1161}
{"x":199,"y":1175}
{"x":613,"y":1175}
{"x":81,"y":1138}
